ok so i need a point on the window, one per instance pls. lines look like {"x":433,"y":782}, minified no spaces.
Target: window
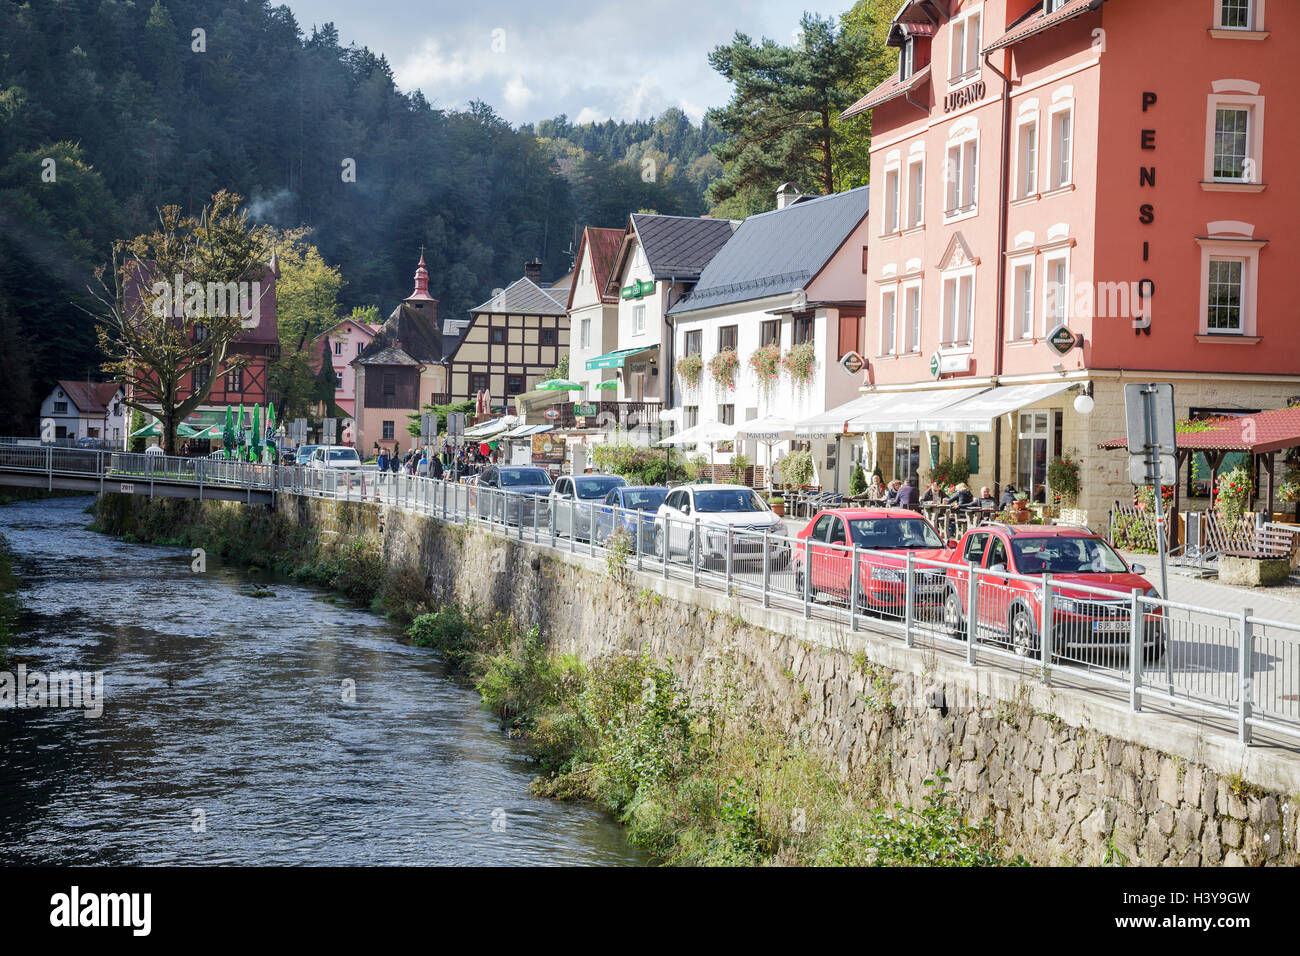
{"x":691,"y":418}
{"x":913,"y":318}
{"x":1022,"y":301}
{"x":388,"y":431}
{"x":638,"y":319}
{"x":585,"y":335}
{"x":360,"y":347}
{"x":1226,"y":295}
{"x":338,"y":381}
{"x":907,"y":59}
{"x":1234,"y":15}
{"x":338,"y":348}
{"x":1062,"y":150}
{"x":958,"y":309}
{"x":235,"y":380}
{"x":202,"y":373}
{"x":726,"y":414}
{"x":727,"y":338}
{"x":803,"y":329}
{"x":770,"y":332}
{"x":1056,"y":293}
{"x":1051,"y":6}
{"x":60,"y":408}
{"x":890,"y":223}
{"x":390,"y":383}
{"x":963,"y":53}
{"x":1234,"y":128}
{"x":1231,"y":143}
{"x":514,"y":384}
{"x":547,"y":337}
{"x":1027,"y":159}
{"x":916,"y":193}
{"x":962,"y":173}
{"x":694,"y":342}
{"x":478,"y":382}
{"x":498,"y":335}
{"x":1039,"y":440}
{"x":888,"y":322}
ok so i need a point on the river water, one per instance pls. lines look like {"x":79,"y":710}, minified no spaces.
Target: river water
{"x":226,"y":737}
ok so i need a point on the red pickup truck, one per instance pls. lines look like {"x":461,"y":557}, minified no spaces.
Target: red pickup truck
{"x":1087,"y":627}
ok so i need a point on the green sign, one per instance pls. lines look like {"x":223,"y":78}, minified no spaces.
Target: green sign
{"x":973,"y":452}
{"x":1061,"y":340}
{"x":638,"y":289}
{"x":934,"y":365}
{"x":934,"y":451}
{"x":584,"y":409}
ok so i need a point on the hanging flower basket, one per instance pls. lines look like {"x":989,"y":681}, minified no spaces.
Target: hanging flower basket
{"x":800,"y":363}
{"x":765,"y":363}
{"x":690,"y":369}
{"x":723,"y":369}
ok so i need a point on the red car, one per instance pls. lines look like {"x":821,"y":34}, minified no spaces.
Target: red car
{"x":1085,"y":625}
{"x":887,"y":535}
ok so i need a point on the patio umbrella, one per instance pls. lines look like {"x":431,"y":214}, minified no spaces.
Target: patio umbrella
{"x":708,"y":433}
{"x":611,"y":384}
{"x":229,"y":437}
{"x":561,"y":385}
{"x":769,"y":430}
{"x":270,"y":442}
{"x":255,"y":435}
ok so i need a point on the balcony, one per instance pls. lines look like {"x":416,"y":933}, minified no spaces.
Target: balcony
{"x":625,"y":415}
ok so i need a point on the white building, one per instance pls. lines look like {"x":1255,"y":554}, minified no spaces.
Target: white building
{"x":85,"y":410}
{"x":593,"y":309}
{"x":790,"y":278}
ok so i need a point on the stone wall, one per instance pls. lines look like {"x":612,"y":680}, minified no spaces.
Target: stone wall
{"x":1065,"y":777}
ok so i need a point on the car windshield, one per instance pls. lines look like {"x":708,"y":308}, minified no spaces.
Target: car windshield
{"x":306,"y":450}
{"x":597,"y":486}
{"x":885,"y":533}
{"x":1065,"y":555}
{"x":343,"y":454}
{"x":728,"y":499}
{"x":513,"y":477}
{"x":644,"y":499}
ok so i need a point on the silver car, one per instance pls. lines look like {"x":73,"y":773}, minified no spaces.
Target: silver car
{"x":575,"y":498}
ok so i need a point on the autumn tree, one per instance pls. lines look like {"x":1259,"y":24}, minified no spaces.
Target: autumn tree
{"x":155,"y":336}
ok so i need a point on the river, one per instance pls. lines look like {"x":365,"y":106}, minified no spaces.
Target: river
{"x":226,"y":736}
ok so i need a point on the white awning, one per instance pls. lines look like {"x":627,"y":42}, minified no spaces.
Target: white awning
{"x":835,"y":421}
{"x":523,"y":431}
{"x":904,"y":411}
{"x":705,"y":433}
{"x":769,"y":428}
{"x":978,"y":413}
{"x":490,"y":428}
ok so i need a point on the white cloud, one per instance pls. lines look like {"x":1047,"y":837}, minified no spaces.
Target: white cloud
{"x":517,"y":94}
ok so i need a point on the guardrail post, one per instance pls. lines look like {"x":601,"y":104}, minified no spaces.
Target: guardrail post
{"x":1135,"y":626}
{"x":1246,"y":670}
{"x":695,"y":555}
{"x":807,"y":578}
{"x":909,"y":600}
{"x":668,"y":523}
{"x":972,"y":612}
{"x":1045,"y":624}
{"x":767,"y":563}
{"x":519,"y":515}
{"x":49,"y":469}
{"x":638,"y":517}
{"x":730,"y":547}
{"x":854,"y":587}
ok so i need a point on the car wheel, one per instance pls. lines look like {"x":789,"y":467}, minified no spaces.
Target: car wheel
{"x":1024,"y":635}
{"x":953,"y":615}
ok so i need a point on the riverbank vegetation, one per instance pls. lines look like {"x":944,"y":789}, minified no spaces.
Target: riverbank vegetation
{"x":697,"y":779}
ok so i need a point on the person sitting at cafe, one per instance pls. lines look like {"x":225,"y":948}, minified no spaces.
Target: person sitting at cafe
{"x":933,"y":495}
{"x":960,"y":496}
{"x":891,"y":493}
{"x":985,"y":500}
{"x":906,"y":496}
{"x":876,"y":490}
{"x":1008,"y":496}
{"x":1040,"y":494}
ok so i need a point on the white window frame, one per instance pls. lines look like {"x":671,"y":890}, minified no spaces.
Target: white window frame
{"x":907,"y":59}
{"x":1240,"y":95}
{"x":1050,"y":317}
{"x":1246,"y":251}
{"x":950,"y":310}
{"x":1026,"y":264}
{"x":916,"y":192}
{"x":889,"y":320}
{"x":638,"y":319}
{"x":1027,"y":169}
{"x":585,"y":334}
{"x":913,"y":316}
{"x":893,"y":199}
{"x":1254,"y":24}
{"x":1055,"y":180}
{"x":963,"y":47}
{"x":959,"y":171}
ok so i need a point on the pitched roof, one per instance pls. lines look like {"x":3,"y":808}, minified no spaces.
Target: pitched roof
{"x":1035,"y":21}
{"x":523,"y":297}
{"x":385,"y":355}
{"x":363,"y":326}
{"x":603,"y":246}
{"x":778,"y":252}
{"x":891,"y":89}
{"x":412,"y":335}
{"x":1258,"y":433}
{"x":92,"y":397}
{"x":676,"y":246}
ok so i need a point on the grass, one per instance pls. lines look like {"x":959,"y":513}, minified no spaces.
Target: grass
{"x":696,"y":781}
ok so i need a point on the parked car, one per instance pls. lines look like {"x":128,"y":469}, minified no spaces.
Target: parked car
{"x":489,"y":498}
{"x":719,"y":509}
{"x":631,"y":508}
{"x":303,"y":454}
{"x":1086,"y":626}
{"x":887,"y":536}
{"x":574,"y":499}
{"x":334,"y":456}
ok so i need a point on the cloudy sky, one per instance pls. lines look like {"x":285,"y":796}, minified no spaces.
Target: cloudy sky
{"x":533,"y":60}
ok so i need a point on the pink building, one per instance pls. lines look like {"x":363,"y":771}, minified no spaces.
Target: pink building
{"x":1101,"y":168}
{"x":342,"y":344}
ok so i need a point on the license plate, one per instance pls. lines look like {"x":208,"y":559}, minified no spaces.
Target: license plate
{"x":930,"y":589}
{"x":1110,"y":627}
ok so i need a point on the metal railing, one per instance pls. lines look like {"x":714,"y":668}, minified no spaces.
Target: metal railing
{"x":1235,"y":666}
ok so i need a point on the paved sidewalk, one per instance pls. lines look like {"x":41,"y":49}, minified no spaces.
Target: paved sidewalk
{"x":1280,"y":603}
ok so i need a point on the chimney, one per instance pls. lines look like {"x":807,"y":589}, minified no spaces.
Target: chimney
{"x":533,"y":271}
{"x":786,"y":194}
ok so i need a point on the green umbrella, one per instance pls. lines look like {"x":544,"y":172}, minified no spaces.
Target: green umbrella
{"x":229,"y":437}
{"x":561,"y":385}
{"x":270,"y":433}
{"x":255,"y":436}
{"x":608,"y":384}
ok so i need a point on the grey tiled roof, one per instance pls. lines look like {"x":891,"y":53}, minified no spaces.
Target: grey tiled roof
{"x":525,"y":297}
{"x":680,"y":245}
{"x":777,"y":252}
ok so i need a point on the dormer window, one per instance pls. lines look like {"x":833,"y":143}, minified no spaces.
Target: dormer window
{"x":964,"y":48}
{"x":907,"y":59}
{"x":1051,"y":6}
